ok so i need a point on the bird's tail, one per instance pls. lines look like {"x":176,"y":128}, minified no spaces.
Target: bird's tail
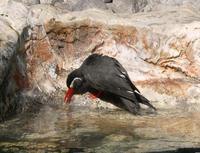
{"x":143,"y":100}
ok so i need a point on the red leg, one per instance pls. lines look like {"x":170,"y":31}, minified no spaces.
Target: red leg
{"x":95,"y":95}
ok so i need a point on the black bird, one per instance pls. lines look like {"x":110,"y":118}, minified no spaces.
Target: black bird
{"x":105,"y":77}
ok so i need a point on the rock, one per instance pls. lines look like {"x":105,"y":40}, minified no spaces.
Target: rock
{"x":63,"y":7}
{"x":12,"y":22}
{"x":51,"y":2}
{"x":41,"y":45}
{"x":117,"y":138}
{"x":29,"y":2}
{"x":141,"y":41}
{"x":107,"y":1}
{"x":120,"y":6}
{"x":39,"y":14}
{"x":158,"y":5}
{"x":134,"y":6}
{"x":117,"y":6}
{"x":89,"y":4}
{"x":128,"y":6}
{"x":14,"y":14}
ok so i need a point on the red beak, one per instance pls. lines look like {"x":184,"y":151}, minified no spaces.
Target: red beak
{"x":68,"y":95}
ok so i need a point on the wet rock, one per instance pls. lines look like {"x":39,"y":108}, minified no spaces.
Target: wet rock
{"x":117,"y":137}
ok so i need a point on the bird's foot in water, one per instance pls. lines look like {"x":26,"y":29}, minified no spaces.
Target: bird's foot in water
{"x":95,"y":95}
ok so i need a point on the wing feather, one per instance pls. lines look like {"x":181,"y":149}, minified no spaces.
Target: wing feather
{"x":108,"y":78}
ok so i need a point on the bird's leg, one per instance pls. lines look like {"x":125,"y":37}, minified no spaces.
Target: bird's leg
{"x":94,"y":95}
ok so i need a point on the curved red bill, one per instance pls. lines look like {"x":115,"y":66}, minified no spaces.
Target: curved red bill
{"x":68,"y":95}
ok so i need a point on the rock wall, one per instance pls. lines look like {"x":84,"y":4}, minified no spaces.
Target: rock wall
{"x":40,"y":44}
{"x":116,"y":6}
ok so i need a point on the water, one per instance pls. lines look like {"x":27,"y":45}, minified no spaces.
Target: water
{"x":75,"y":128}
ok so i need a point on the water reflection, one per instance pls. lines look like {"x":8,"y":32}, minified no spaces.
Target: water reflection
{"x":78,"y":128}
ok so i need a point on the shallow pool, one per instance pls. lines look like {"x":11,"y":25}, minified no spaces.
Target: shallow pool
{"x":74,"y":128}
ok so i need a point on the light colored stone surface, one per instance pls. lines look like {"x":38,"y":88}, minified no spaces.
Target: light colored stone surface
{"x":159,"y":49}
{"x":39,"y":14}
{"x":88,"y":4}
{"x":128,"y":6}
{"x":14,"y":13}
{"x":29,"y":2}
{"x":157,"y":5}
{"x":117,"y":6}
{"x":155,"y":48}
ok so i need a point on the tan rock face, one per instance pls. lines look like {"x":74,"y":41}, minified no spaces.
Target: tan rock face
{"x":161,"y":60}
{"x":160,"y":50}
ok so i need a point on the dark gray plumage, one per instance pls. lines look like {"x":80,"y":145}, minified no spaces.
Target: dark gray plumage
{"x":106,"y":74}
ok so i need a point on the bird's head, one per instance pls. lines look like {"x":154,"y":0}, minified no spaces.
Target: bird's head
{"x":74,"y":83}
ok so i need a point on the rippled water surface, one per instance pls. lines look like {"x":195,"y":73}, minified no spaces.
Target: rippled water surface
{"x":59,"y":128}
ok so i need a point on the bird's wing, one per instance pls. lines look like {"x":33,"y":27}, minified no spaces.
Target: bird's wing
{"x":107,"y":74}
{"x":112,"y":78}
{"x":125,"y":74}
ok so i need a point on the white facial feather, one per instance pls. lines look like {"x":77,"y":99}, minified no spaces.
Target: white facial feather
{"x":72,"y":84}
